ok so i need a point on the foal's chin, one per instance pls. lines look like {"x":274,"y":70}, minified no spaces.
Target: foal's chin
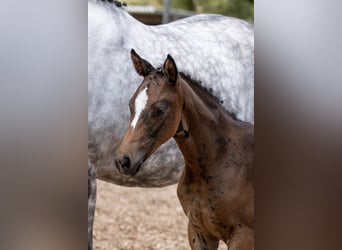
{"x":131,"y":171}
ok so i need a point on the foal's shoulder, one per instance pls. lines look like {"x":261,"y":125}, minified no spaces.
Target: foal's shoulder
{"x":248,"y":134}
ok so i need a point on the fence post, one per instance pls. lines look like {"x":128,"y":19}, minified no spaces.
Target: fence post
{"x":166,"y":12}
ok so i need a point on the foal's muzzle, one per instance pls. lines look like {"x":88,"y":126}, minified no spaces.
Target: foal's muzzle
{"x":126,"y":166}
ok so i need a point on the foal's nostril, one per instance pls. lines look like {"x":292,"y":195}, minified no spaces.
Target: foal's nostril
{"x":125,"y":163}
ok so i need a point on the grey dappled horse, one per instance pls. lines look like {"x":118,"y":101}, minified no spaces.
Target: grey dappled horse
{"x":215,"y":50}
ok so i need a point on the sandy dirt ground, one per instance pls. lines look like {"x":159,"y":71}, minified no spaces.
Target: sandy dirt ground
{"x":139,"y":219}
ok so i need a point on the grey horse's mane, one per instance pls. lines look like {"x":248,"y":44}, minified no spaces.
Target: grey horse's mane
{"x":116,"y":3}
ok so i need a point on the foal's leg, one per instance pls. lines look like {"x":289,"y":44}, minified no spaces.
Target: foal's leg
{"x":242,"y":239}
{"x":201,"y":240}
{"x":91,"y":203}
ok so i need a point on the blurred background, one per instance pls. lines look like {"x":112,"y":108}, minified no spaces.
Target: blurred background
{"x":43,"y":123}
{"x":163,"y":11}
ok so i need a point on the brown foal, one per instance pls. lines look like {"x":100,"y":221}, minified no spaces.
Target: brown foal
{"x":216,"y":189}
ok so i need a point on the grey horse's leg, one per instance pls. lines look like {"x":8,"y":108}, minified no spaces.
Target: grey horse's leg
{"x":91,"y":203}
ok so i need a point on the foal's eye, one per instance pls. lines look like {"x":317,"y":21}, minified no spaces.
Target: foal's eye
{"x":158,"y":112}
{"x":159,"y":108}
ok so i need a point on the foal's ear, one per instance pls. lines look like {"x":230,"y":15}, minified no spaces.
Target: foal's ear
{"x":170,"y":69}
{"x":142,"y":67}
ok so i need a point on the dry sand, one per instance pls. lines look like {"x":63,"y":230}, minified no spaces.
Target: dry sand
{"x":139,"y":219}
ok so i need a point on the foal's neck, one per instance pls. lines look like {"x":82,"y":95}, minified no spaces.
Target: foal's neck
{"x":210,"y":128}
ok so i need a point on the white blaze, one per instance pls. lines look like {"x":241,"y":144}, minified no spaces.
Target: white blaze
{"x":140,"y":103}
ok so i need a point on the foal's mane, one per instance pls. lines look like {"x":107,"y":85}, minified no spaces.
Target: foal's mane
{"x":206,"y":95}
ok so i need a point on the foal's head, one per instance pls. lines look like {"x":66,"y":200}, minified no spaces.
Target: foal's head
{"x":155,"y":108}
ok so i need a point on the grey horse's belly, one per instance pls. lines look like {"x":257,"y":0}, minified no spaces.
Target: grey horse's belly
{"x":161,"y":169}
